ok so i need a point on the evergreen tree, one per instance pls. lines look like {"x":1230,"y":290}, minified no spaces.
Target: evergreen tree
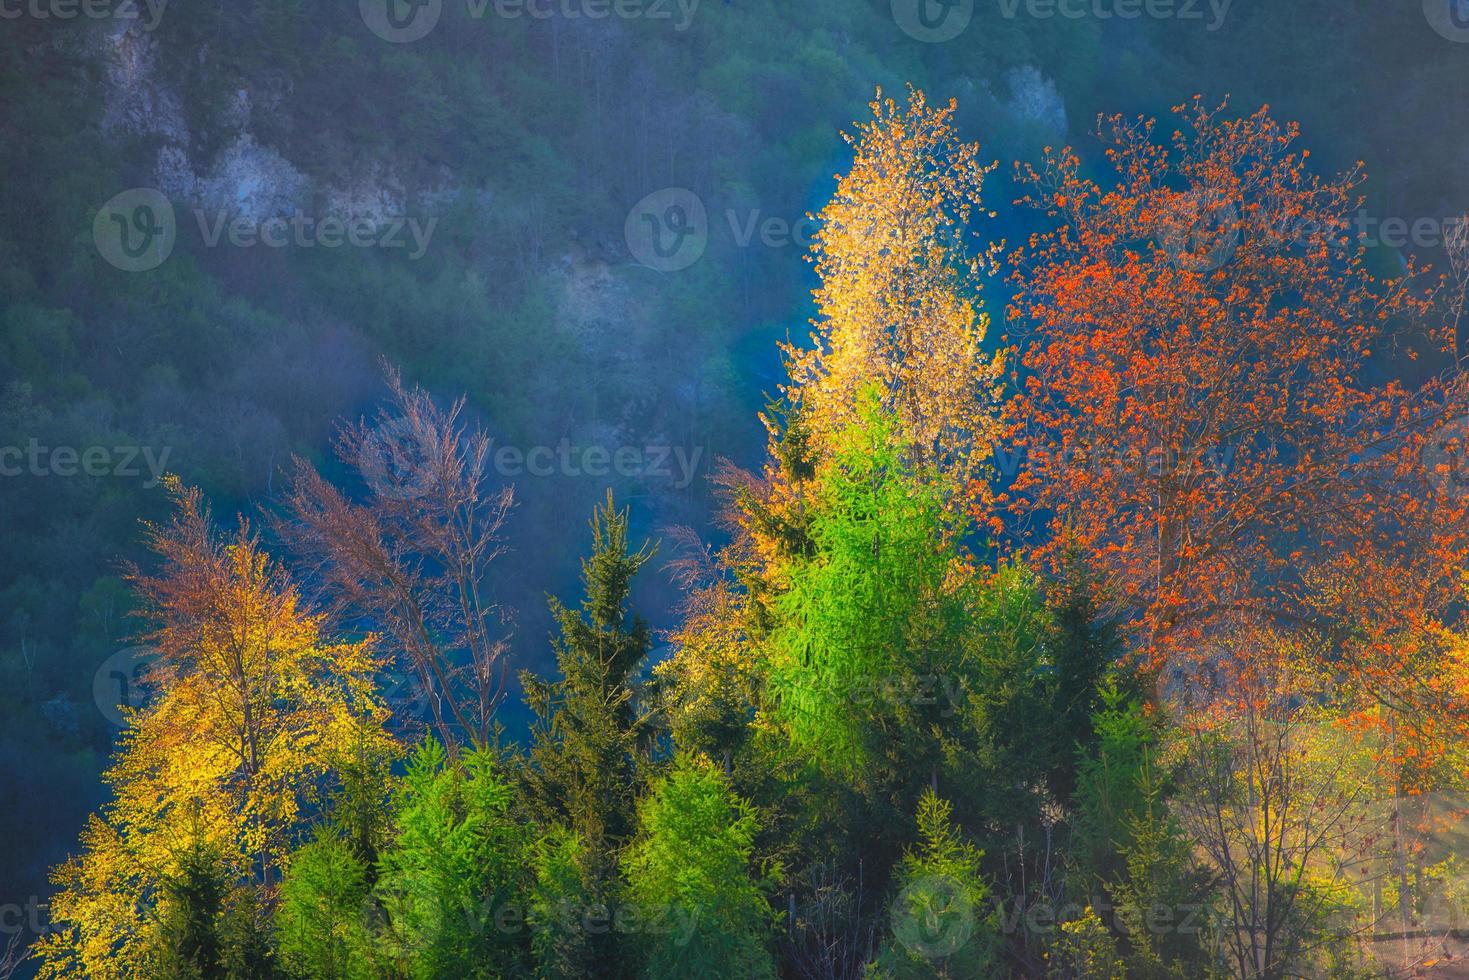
{"x":1084,"y":645}
{"x":942,"y":923}
{"x":456,"y":863}
{"x":588,"y":738}
{"x":689,"y":878}
{"x":187,"y":946}
{"x":320,"y":924}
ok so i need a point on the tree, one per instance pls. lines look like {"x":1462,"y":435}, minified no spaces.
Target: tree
{"x":187,"y":944}
{"x":1133,"y":859}
{"x":413,"y":561}
{"x":1286,"y":831}
{"x":257,"y":713}
{"x":1196,"y":408}
{"x":456,"y":862}
{"x":690,"y":865}
{"x":899,"y":294}
{"x":590,"y":734}
{"x":321,"y":924}
{"x":1084,"y":646}
{"x":941,"y":922}
{"x":878,"y":605}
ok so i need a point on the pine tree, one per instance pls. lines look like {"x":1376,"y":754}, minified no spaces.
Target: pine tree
{"x":942,"y":922}
{"x":1084,"y":645}
{"x":588,"y":738}
{"x":690,"y":867}
{"x":187,"y":945}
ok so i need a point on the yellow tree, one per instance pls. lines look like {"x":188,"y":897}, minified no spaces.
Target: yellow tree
{"x":898,"y":315}
{"x":255,"y":713}
{"x":900,"y":283}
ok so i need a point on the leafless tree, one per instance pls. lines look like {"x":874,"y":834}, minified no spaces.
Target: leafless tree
{"x":11,"y":957}
{"x":1285,"y":832}
{"x":1456,"y":244}
{"x":831,"y":934}
{"x":411,"y":561}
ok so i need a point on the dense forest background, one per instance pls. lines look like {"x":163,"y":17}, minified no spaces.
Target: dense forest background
{"x":526,"y":142}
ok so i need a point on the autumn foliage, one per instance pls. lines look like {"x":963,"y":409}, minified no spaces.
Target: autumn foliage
{"x":1202,"y":406}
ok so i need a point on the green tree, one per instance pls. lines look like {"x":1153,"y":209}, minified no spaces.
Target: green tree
{"x":942,"y":923}
{"x":1085,"y":645}
{"x":588,"y":736}
{"x":457,"y":860}
{"x":689,"y":871}
{"x":870,"y":614}
{"x":1134,"y":857}
{"x":187,"y":944}
{"x":321,"y":924}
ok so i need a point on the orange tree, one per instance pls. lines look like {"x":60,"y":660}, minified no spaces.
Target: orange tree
{"x":1194,"y":407}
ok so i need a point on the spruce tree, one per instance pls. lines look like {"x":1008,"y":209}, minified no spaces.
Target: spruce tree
{"x":583,"y":772}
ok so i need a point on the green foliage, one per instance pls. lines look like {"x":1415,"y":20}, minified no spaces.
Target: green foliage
{"x":1133,"y":855}
{"x":322,"y":921}
{"x":187,"y":944}
{"x":587,"y":737}
{"x":589,"y":743}
{"x":1084,"y":949}
{"x":1083,"y":648}
{"x":942,"y":922}
{"x":868,"y":613}
{"x":456,"y":859}
{"x":559,"y":897}
{"x":690,"y":879}
{"x":208,"y":926}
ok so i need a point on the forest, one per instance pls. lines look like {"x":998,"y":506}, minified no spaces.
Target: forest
{"x":898,"y":505}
